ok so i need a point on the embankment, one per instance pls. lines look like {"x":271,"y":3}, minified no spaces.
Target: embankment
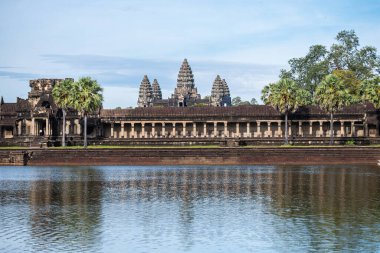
{"x":199,"y":156}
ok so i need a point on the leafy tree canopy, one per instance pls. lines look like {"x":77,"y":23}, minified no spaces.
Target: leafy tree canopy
{"x":345,"y":54}
{"x":236,"y":101}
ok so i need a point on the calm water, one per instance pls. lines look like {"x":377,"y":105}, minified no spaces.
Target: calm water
{"x":190,"y":209}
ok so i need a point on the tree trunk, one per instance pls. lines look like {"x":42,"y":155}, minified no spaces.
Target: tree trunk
{"x":286,"y":128}
{"x":85,"y":131}
{"x":331,"y":129}
{"x":64,"y":128}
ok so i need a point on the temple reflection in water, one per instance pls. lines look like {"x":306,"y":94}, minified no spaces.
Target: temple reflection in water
{"x":93,"y":209}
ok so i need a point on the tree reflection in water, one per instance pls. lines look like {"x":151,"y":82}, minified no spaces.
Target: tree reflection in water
{"x":192,"y":208}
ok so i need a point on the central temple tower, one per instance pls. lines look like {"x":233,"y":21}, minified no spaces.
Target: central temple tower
{"x":185,"y":91}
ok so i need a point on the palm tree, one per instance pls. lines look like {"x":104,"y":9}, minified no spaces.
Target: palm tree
{"x":87,"y":98}
{"x":62,"y":97}
{"x":370,"y":91}
{"x":285,"y":96}
{"x":332,"y":95}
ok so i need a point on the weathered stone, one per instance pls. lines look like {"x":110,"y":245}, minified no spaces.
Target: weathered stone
{"x":145,"y":94}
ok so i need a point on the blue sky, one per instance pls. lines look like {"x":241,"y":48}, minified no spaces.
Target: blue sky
{"x":247,"y":42}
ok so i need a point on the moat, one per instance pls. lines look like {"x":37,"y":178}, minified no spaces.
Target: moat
{"x":190,"y":209}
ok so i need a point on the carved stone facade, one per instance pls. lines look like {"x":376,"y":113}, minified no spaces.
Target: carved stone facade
{"x":145,"y":93}
{"x":37,"y":120}
{"x":220,"y":93}
{"x":157,"y":94}
{"x":185,"y":94}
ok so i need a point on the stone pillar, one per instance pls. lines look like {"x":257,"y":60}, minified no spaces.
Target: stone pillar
{"x":47,"y":127}
{"x":33,"y":128}
{"x":153,"y":130}
{"x":279,"y":130}
{"x":19,"y":128}
{"x":226,"y":130}
{"x":163,"y":129}
{"x":142,"y":130}
{"x":353,"y":129}
{"x":215,"y":129}
{"x":289,"y":128}
{"x":122,"y":134}
{"x":300,"y":132}
{"x":204,"y":129}
{"x":377,"y":130}
{"x":237,"y":129}
{"x":320,"y":128}
{"x":311,"y":128}
{"x":248,"y":129}
{"x":174,"y":132}
{"x":269,"y":131}
{"x":67,"y":127}
{"x":258,"y":129}
{"x":132,"y":130}
{"x":184,"y":129}
{"x":112,"y":131}
{"x":342,"y":129}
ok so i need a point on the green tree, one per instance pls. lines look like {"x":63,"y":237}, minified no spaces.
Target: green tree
{"x":63,"y":98}
{"x":370,"y":91}
{"x":236,"y":101}
{"x":253,"y":101}
{"x":308,"y":71}
{"x":87,"y":98}
{"x":286,"y":97}
{"x":332,"y":95}
{"x":345,"y":54}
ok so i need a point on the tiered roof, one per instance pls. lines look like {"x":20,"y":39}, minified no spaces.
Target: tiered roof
{"x":220,"y":93}
{"x":157,"y":94}
{"x":185,"y":83}
{"x":185,"y":76}
{"x":145,"y":93}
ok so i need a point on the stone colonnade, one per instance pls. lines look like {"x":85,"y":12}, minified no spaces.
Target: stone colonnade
{"x":213,"y":129}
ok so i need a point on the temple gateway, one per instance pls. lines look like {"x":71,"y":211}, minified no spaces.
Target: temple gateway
{"x":185,"y":118}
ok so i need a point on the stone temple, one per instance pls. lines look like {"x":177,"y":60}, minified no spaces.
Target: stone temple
{"x":182,"y":119}
{"x":185,"y":93}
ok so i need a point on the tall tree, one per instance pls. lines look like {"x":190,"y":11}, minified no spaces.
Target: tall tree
{"x":345,"y":54}
{"x":87,"y":98}
{"x":370,"y":91}
{"x":309,"y":71}
{"x":332,"y":95}
{"x":286,"y":97}
{"x":63,"y":98}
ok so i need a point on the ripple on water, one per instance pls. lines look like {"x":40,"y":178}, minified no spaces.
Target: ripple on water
{"x":189,"y":208}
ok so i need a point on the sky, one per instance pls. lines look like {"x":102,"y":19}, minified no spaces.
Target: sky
{"x":117,"y":42}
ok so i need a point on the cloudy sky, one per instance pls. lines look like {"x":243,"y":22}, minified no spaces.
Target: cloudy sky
{"x":116,"y":42}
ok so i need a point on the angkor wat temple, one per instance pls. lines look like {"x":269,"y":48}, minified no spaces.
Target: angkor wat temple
{"x":185,"y":94}
{"x":183,"y":119}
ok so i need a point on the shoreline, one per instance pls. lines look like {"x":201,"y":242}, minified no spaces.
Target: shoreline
{"x":345,"y":155}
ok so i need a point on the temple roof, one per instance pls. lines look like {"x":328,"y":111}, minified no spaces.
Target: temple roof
{"x":260,"y":111}
{"x":157,"y":94}
{"x":8,"y":109}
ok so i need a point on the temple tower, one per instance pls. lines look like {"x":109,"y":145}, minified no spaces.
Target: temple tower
{"x":145,"y":93}
{"x":157,"y":94}
{"x":220,"y":93}
{"x":185,"y":90}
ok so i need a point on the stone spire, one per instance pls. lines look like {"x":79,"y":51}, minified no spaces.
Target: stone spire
{"x":185,"y":90}
{"x":2,"y":100}
{"x":220,"y":93}
{"x":185,"y":76}
{"x":157,"y":94}
{"x":226,"y":89}
{"x":145,"y":93}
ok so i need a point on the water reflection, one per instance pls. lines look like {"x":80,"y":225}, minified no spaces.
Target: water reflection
{"x":193,"y":209}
